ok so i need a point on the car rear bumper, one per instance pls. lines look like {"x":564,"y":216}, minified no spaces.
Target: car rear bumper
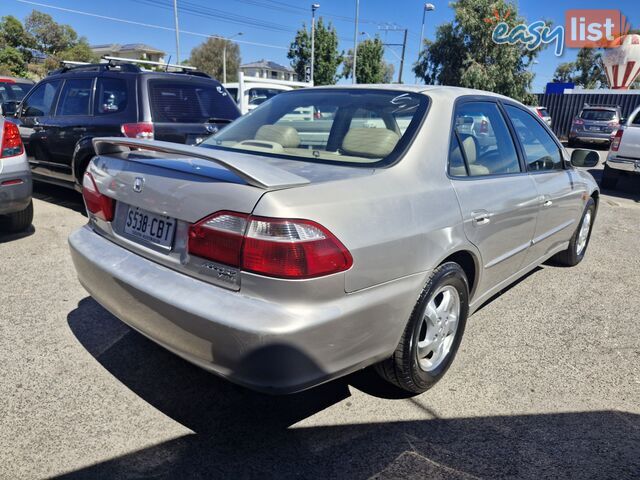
{"x":624,"y":164}
{"x":595,"y":137}
{"x":15,"y":187}
{"x":268,"y":346}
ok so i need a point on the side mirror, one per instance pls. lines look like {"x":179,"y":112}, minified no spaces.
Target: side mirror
{"x":8,"y":108}
{"x":584,"y":158}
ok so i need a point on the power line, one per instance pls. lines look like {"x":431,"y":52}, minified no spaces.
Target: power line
{"x":148,"y":25}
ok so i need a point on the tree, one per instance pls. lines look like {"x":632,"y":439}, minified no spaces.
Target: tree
{"x":207,"y":57}
{"x":564,"y":72}
{"x":80,"y":52}
{"x":327,"y":57}
{"x":12,"y":62}
{"x":50,"y":37}
{"x":587,"y":70}
{"x":464,"y":53}
{"x":12,"y":33}
{"x":389,"y":70}
{"x":371,"y":67}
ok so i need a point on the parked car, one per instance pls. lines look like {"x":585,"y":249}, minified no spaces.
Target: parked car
{"x":624,"y":154}
{"x":280,"y":262}
{"x":255,"y":94}
{"x":16,"y":207}
{"x":65,"y":111}
{"x":12,"y":91}
{"x":543,"y":113}
{"x":595,"y":124}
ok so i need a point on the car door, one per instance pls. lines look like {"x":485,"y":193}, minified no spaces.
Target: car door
{"x":71,"y":123}
{"x":35,"y":121}
{"x":498,"y":200}
{"x":560,"y":195}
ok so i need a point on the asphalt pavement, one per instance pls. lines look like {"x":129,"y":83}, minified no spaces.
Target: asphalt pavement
{"x":546,"y":383}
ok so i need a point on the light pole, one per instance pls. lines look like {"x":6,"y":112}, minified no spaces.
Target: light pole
{"x":314,"y":7}
{"x":428,"y":7}
{"x":355,"y":43}
{"x":224,"y":56}
{"x":175,"y":19}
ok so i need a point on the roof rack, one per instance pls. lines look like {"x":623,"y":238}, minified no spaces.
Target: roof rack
{"x":68,"y":65}
{"x":186,"y":69}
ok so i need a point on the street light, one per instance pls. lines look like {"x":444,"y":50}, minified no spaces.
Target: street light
{"x":355,"y":43}
{"x":314,"y":7}
{"x":428,"y":7}
{"x":224,"y":57}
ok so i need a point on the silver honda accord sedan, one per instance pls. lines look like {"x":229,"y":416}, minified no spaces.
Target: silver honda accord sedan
{"x":287,"y":251}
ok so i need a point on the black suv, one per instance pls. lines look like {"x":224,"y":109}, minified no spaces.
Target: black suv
{"x":65,"y":111}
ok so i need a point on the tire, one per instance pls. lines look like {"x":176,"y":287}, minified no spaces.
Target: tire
{"x":18,"y":221}
{"x":609,"y":178}
{"x":576,"y":251}
{"x":407,"y":368}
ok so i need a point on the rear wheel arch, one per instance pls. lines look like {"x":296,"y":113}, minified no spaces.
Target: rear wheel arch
{"x":82,"y":155}
{"x":470,"y":264}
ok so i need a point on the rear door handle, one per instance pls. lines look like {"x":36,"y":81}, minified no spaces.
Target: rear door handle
{"x":481,"y":218}
{"x":79,"y":129}
{"x":547,"y":203}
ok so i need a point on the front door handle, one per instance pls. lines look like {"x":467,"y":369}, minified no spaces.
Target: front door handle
{"x":481,"y":218}
{"x":547,"y":203}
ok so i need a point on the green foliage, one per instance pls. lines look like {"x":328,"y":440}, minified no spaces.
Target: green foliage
{"x":50,"y":37}
{"x":12,"y":62}
{"x":12,"y":33}
{"x":587,"y":71}
{"x":327,"y":56}
{"x":371,"y":67}
{"x":207,"y":57}
{"x":80,"y":52}
{"x":464,"y":54}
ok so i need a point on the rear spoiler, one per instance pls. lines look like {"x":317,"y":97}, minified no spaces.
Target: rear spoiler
{"x":254,"y":171}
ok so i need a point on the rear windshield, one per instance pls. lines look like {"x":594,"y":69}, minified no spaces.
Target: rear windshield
{"x":190,"y":102}
{"x":13,"y":92}
{"x":598,"y":115}
{"x":341,"y":126}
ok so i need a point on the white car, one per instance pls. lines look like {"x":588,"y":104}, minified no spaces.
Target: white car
{"x":624,"y":153}
{"x":16,"y":209}
{"x":255,"y":94}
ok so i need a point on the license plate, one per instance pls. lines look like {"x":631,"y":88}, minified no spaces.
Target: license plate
{"x":594,"y":129}
{"x":150,"y":227}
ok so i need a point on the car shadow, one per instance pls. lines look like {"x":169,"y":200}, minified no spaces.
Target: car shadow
{"x":242,"y":434}
{"x":628,"y":186}
{"x":11,"y":237}
{"x":61,"y":196}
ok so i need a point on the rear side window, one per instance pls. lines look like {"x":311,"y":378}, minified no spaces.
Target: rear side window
{"x":598,"y":115}
{"x":482,"y":138}
{"x":75,"y":98}
{"x":189,"y":102}
{"x":257,"y":96}
{"x":111,"y":96}
{"x":541,"y":152}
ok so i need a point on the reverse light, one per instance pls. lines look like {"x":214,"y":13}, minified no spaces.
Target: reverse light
{"x":98,"y":204}
{"x":143,"y":130}
{"x":11,"y":141}
{"x":615,"y":143}
{"x":275,"y":247}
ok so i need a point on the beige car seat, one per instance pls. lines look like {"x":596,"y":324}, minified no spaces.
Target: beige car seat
{"x":370,"y":142}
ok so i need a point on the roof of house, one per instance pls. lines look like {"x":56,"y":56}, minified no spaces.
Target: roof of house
{"x":116,"y":47}
{"x":267,"y":64}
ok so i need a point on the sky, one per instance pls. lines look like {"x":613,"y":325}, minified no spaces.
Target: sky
{"x":268,"y":26}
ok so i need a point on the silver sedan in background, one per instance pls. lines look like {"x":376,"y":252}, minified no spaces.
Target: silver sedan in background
{"x":16,"y":208}
{"x":282,"y":253}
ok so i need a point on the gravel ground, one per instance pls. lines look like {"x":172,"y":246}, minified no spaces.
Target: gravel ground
{"x":546,"y":383}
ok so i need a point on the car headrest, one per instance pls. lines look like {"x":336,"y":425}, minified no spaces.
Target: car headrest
{"x":284,"y":135}
{"x":370,"y":142}
{"x":470,"y":149}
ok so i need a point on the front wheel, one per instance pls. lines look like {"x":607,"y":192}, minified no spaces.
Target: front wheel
{"x":580,"y":239}
{"x":431,"y":338}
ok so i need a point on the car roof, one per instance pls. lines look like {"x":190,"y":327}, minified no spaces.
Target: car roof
{"x":600,"y":107}
{"x":5,"y":78}
{"x":424,"y":89}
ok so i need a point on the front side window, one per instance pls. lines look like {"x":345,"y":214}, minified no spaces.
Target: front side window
{"x":481,"y":143}
{"x":39,"y":103}
{"x":540,"y":150}
{"x":111,"y":96}
{"x":190,"y":102}
{"x":344,"y":126}
{"x":75,"y":98}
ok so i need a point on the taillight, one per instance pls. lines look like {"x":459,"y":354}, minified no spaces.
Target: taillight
{"x":98,"y":204}
{"x":11,"y":141}
{"x":274,"y":247}
{"x":615,"y":143}
{"x":142,"y":130}
{"x":578,"y":121}
{"x":539,"y":112}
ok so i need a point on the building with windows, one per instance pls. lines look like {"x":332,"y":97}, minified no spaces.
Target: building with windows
{"x":268,"y":69}
{"x":134,"y":51}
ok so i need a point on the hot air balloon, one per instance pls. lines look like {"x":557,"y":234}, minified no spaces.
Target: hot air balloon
{"x":622,"y":61}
